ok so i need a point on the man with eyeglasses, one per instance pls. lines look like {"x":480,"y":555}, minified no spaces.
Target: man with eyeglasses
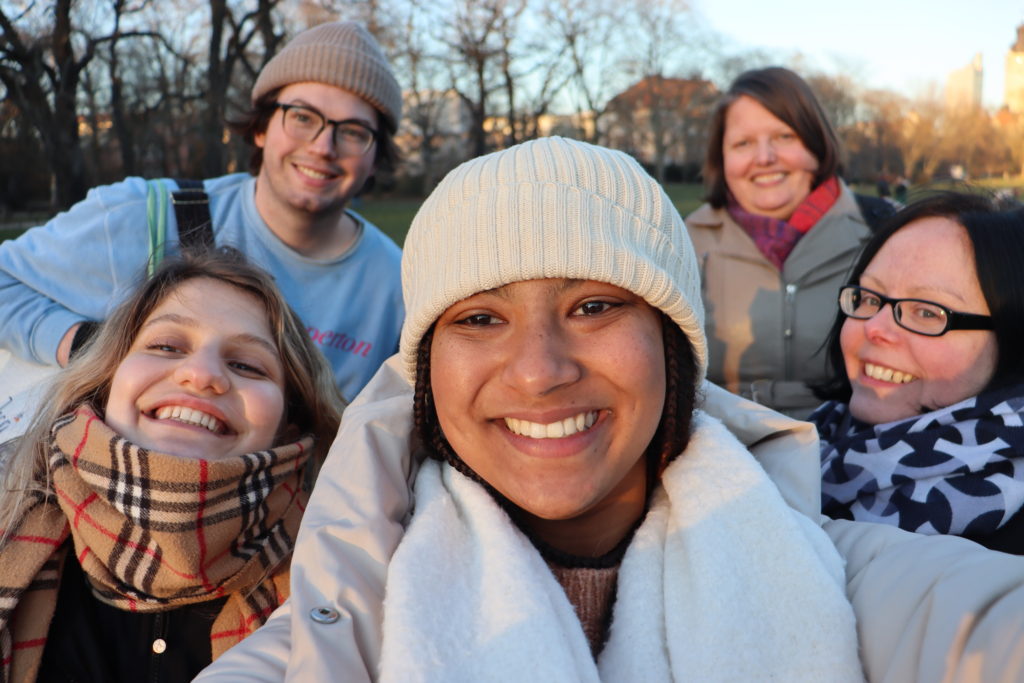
{"x":323,"y":116}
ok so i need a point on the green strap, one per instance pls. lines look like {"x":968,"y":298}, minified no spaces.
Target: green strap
{"x":156,"y":220}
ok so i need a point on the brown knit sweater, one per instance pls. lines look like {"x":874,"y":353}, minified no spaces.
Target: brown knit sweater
{"x":591,"y":591}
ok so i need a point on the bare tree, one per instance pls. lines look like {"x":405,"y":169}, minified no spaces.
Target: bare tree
{"x":837,"y":96}
{"x":40,"y":71}
{"x":42,"y":61}
{"x":586,"y":30}
{"x":918,"y":140}
{"x":432,"y":126}
{"x":475,"y":36}
{"x":660,"y":33}
{"x":230,"y":40}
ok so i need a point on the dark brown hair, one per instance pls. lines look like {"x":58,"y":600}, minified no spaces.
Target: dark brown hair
{"x":791,"y":100}
{"x":254,"y":122}
{"x":996,"y":233}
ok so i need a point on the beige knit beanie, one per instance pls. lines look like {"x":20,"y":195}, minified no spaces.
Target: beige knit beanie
{"x":548,"y":208}
{"x":342,"y":54}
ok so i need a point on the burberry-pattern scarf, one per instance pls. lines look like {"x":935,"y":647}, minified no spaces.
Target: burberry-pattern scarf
{"x":958,"y":470}
{"x":776,"y":237}
{"x":152,"y":532}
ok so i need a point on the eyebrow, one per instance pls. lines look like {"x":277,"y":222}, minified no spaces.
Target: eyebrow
{"x":245,"y":337}
{"x":563,"y":285}
{"x":920,"y":292}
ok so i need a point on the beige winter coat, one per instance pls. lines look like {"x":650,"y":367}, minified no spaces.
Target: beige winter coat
{"x":765,"y":328}
{"x":929,"y":608}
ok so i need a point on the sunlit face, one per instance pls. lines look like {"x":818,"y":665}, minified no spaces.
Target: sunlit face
{"x":551,"y":390}
{"x":312,"y":177}
{"x":203,"y":378}
{"x":767,"y":168}
{"x":895,"y":373}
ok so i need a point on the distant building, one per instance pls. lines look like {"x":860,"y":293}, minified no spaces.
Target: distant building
{"x":661,"y":121}
{"x":432,"y":134}
{"x":963,"y":87}
{"x":1014,"y":88}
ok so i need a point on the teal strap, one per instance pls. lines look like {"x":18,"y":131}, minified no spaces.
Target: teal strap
{"x":156,"y":220}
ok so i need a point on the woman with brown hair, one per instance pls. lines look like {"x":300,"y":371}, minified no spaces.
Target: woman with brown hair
{"x":148,"y":515}
{"x":775,"y":239}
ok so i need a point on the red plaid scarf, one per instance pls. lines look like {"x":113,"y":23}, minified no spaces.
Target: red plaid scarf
{"x":776,"y":237}
{"x":152,"y":532}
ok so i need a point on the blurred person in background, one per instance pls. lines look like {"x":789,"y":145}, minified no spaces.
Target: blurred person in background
{"x":775,"y":239}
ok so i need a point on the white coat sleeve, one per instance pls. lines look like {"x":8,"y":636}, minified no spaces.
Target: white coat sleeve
{"x":932,"y":608}
{"x":330,"y":627}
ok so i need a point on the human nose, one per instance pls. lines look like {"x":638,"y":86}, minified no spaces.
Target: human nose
{"x":541,"y":360}
{"x":203,"y":372}
{"x":323,"y":143}
{"x":765,"y":151}
{"x":882,"y":327}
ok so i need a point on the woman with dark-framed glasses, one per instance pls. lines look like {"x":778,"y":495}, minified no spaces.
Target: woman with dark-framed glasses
{"x":925,"y":426}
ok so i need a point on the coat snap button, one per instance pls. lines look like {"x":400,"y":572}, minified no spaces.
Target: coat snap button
{"x":159,"y":646}
{"x":323,"y":615}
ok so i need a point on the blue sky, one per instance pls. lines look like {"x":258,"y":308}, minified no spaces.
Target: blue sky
{"x":900,"y":45}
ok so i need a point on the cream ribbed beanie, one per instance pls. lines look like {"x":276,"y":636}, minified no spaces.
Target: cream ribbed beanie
{"x":549,"y":208}
{"x":342,"y":54}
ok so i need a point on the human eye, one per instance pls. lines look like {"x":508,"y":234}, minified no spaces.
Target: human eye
{"x":353,"y":133}
{"x":868,"y":299}
{"x":925,"y":311}
{"x":478,"y":320}
{"x":248,"y":368}
{"x":303,"y":116}
{"x":595,"y":307}
{"x":166,"y":346}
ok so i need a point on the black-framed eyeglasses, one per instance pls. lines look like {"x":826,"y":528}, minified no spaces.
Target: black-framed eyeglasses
{"x":916,"y":315}
{"x":351,"y":137}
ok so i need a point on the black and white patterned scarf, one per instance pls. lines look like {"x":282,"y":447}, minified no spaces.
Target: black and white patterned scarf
{"x":958,"y":470}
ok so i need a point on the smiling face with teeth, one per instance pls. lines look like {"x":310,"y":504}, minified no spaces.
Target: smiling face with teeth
{"x":894,"y":373}
{"x":767,"y":168}
{"x":551,"y":390}
{"x":310,"y":179}
{"x":203,"y":378}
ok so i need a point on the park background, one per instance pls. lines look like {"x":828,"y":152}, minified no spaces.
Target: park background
{"x":96,"y":90}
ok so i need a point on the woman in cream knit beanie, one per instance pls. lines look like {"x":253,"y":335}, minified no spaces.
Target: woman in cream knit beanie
{"x":553,"y":207}
{"x":571,"y":523}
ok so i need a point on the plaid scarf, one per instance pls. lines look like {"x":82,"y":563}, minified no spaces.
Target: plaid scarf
{"x":776,"y":237}
{"x":957,"y":470}
{"x":152,"y":532}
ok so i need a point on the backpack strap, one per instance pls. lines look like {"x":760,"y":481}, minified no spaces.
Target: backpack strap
{"x":192,"y":210}
{"x":874,"y":209}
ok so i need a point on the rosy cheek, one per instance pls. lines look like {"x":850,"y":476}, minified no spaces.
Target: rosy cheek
{"x":850,"y":335}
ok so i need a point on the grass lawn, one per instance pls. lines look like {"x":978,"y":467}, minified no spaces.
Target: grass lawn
{"x":393,"y":215}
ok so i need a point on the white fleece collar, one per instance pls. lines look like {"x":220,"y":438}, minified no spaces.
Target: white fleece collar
{"x":722,"y":582}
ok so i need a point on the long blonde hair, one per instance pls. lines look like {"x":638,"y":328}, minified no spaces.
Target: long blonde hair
{"x":313,"y":403}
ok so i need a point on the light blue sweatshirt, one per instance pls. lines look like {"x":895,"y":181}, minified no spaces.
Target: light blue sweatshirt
{"x":81,"y":264}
